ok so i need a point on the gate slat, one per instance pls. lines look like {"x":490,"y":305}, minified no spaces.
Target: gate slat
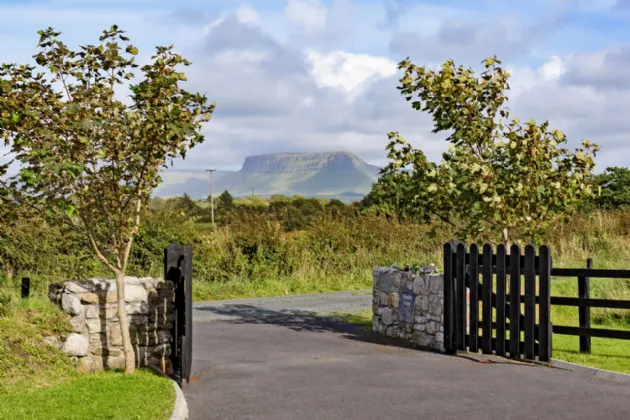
{"x":544,"y":305}
{"x":486,"y":308}
{"x":515,"y":300}
{"x":500,"y":310}
{"x":449,"y":346}
{"x":530,"y":301}
{"x":474,"y":299}
{"x":460,"y":297}
{"x":188,"y":343}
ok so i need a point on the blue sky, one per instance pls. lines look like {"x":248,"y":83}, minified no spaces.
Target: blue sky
{"x":319,"y":75}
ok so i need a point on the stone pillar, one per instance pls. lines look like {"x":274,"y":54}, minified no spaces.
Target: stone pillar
{"x":409,"y":306}
{"x":95,"y":342}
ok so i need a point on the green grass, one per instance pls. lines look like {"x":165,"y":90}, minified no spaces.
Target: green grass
{"x":37,"y":381}
{"x":362,"y":317}
{"x":294,"y":285}
{"x":26,"y":362}
{"x":103,"y":395}
{"x":609,"y":354}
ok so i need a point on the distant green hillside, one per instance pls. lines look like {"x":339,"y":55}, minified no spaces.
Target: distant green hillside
{"x":334,"y":174}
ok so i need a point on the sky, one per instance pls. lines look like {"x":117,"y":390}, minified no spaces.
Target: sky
{"x":321,"y":75}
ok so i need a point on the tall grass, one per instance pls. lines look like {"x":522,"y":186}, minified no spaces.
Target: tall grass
{"x":258,"y":257}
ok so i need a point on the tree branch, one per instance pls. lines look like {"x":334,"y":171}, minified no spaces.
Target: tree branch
{"x":97,"y":250}
{"x":136,"y":226}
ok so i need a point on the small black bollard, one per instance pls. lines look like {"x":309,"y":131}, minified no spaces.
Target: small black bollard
{"x":26,"y":287}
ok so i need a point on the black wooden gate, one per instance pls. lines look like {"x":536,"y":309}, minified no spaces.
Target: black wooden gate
{"x":178,"y":269}
{"x":528,"y":333}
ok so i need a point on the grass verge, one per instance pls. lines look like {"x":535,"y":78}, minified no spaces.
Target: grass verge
{"x":606,"y":353}
{"x":38,"y":381}
{"x":279,"y":286}
{"x":102,"y":395}
{"x":26,"y":361}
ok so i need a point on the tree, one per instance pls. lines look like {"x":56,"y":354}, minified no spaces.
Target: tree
{"x":226,"y":201}
{"x":615,"y":188}
{"x":87,"y":160}
{"x":188,"y":205}
{"x":499,"y":178}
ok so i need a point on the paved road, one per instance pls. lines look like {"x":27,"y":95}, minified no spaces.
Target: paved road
{"x":264,"y":359}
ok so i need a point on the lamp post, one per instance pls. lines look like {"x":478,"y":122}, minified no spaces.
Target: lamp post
{"x":211,"y":197}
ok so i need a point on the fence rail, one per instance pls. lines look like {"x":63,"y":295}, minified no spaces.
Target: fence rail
{"x":584,"y":303}
{"x":25,"y":287}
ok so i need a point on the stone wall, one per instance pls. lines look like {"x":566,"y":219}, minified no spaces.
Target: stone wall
{"x":95,"y":342}
{"x":410,"y":306}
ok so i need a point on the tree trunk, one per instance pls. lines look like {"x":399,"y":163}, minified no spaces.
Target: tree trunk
{"x":130,"y":358}
{"x":506,"y":240}
{"x":8,"y":271}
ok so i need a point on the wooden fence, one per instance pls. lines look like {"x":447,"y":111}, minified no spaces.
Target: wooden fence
{"x":584,"y":303}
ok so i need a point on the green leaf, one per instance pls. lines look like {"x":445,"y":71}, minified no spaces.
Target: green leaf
{"x":70,"y":210}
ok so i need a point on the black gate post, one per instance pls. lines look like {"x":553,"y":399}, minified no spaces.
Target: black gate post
{"x":178,"y":269}
{"x":449,"y":304}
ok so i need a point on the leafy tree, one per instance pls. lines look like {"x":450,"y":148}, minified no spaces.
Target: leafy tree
{"x":187,"y":204}
{"x":615,"y":188}
{"x":88,"y":160}
{"x":385,"y":198}
{"x":226,"y":201}
{"x":278,"y":198}
{"x":499,"y":178}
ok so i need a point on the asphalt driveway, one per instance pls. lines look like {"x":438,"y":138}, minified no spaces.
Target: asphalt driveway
{"x":255,"y":360}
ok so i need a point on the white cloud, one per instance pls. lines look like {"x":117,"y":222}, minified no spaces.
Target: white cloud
{"x":552,"y":69}
{"x":248,"y":15}
{"x":308,"y":15}
{"x":346,"y":70}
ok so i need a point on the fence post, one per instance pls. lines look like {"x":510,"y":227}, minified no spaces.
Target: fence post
{"x":584,"y":292}
{"x":26,"y":287}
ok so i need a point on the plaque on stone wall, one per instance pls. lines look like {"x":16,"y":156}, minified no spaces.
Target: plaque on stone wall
{"x":406,"y":306}
{"x":385,"y":282}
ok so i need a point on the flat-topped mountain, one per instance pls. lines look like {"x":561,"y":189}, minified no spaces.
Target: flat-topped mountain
{"x":328,"y":174}
{"x":300,"y":162}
